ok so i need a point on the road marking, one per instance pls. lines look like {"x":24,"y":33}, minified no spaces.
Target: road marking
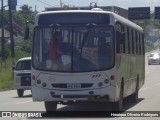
{"x":157,"y":84}
{"x":23,"y":102}
{"x":144,"y":88}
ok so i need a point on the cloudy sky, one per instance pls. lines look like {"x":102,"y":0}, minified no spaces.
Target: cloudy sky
{"x":41,"y":4}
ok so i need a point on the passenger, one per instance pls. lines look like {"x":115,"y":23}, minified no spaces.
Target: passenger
{"x":65,"y":50}
{"x":63,"y":59}
{"x":104,"y":53}
{"x":54,"y":52}
{"x":53,"y":46}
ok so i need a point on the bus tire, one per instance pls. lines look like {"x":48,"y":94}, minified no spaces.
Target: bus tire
{"x":50,"y":106}
{"x":20,"y":92}
{"x":119,"y":103}
{"x":134,"y":96}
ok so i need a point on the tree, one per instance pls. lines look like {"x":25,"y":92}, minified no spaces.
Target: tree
{"x":26,"y":10}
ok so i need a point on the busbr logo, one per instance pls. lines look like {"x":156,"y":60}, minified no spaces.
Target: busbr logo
{"x":6,"y":114}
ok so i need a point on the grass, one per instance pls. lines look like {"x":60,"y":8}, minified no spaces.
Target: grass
{"x":6,"y":81}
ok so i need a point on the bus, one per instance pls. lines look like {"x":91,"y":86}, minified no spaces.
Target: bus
{"x":86,"y":56}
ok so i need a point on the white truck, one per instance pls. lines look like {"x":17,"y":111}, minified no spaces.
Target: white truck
{"x":22,"y":75}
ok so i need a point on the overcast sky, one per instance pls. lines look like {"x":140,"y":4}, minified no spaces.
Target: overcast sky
{"x":41,"y":4}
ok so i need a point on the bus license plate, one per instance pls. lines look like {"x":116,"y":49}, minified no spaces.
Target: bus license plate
{"x":73,"y":85}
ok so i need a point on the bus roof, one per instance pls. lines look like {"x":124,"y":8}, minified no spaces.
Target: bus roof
{"x":116,"y":16}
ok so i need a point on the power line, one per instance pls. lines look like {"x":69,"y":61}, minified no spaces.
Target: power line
{"x":44,"y":3}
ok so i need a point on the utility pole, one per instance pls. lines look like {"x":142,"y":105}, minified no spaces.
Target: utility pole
{"x":61,"y":3}
{"x":11,"y":33}
{"x":2,"y":36}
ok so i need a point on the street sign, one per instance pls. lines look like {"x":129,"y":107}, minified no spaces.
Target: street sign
{"x":138,"y":13}
{"x":157,"y":13}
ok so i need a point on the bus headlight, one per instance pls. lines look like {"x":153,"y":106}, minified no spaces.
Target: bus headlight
{"x":33,"y":77}
{"x":106,"y":81}
{"x":112,"y":77}
{"x":38,"y":81}
{"x":100,"y":84}
{"x":44,"y":84}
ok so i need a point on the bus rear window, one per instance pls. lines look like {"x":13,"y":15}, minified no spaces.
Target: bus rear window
{"x":74,"y":19}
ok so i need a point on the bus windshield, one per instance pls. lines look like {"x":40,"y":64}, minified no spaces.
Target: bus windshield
{"x":24,"y":65}
{"x":69,"y":49}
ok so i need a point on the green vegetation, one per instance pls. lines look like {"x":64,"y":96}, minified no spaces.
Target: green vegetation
{"x":6,"y":81}
{"x":149,"y":25}
{"x":149,"y":45}
{"x":22,"y":47}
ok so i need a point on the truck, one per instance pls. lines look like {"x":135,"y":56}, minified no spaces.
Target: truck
{"x":22,"y":75}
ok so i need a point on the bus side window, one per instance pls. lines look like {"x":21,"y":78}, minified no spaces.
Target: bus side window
{"x":140,"y":44}
{"x":120,"y":39}
{"x":132,"y":36}
{"x":136,"y":40}
{"x":123,"y":45}
{"x":143,"y":50}
{"x":126,"y":40}
{"x":130,"y":41}
{"x":117,"y":39}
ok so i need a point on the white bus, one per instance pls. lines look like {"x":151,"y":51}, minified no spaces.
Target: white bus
{"x":86,"y":56}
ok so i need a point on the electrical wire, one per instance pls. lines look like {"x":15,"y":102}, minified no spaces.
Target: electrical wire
{"x":44,"y":3}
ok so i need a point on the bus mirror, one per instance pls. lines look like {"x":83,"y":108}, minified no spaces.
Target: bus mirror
{"x":26,"y":34}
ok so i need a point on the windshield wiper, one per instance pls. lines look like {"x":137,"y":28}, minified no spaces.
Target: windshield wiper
{"x":89,"y":27}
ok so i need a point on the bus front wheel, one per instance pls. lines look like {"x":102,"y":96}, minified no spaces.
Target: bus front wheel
{"x":50,"y":106}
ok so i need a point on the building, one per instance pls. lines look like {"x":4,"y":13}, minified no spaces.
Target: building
{"x":121,"y":11}
{"x":6,"y":34}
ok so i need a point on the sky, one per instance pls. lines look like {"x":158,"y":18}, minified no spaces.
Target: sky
{"x":41,"y":4}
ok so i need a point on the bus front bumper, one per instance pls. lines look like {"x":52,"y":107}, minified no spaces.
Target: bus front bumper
{"x":98,"y":94}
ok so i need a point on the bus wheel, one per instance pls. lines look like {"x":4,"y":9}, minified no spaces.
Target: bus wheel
{"x":134,"y":96}
{"x":119,"y":103}
{"x":50,"y":106}
{"x":20,"y":92}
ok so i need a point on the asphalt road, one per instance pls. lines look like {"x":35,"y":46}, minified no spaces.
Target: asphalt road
{"x":149,"y":100}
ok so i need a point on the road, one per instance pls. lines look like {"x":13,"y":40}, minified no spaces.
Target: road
{"x":149,"y":100}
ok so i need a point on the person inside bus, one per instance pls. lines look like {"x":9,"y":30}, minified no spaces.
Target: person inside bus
{"x":53,"y":46}
{"x":63,"y":60}
{"x":53,"y":49}
{"x":104,"y":53}
{"x":65,"y":50}
{"x":59,"y":53}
